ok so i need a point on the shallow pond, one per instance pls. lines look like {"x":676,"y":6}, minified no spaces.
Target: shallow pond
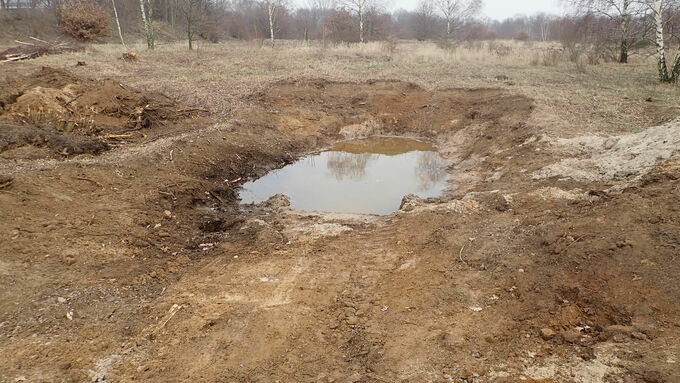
{"x":368,"y":176}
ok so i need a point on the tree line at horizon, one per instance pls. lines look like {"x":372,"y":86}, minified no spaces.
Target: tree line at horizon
{"x":615,"y":27}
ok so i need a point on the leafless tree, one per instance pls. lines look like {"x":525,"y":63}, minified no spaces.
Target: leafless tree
{"x":147,"y":17}
{"x":667,"y":74}
{"x":455,"y":11}
{"x":319,"y":10}
{"x":273,"y":9}
{"x":120,"y":32}
{"x":541,"y":24}
{"x":192,"y":11}
{"x":360,"y":8}
{"x":622,"y":12}
{"x":424,"y":20}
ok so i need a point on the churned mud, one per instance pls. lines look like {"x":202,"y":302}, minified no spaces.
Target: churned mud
{"x":547,"y":260}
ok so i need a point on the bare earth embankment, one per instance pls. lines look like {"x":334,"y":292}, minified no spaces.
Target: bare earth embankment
{"x":553,"y":257}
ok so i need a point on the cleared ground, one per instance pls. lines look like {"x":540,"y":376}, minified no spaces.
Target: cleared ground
{"x":548,"y":260}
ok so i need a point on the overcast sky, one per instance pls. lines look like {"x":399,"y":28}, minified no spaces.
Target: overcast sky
{"x":501,"y":9}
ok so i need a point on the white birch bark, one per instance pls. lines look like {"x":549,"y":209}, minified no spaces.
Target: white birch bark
{"x":660,"y":44}
{"x":625,"y":31}
{"x":148,"y":29}
{"x":270,"y":10}
{"x":120,"y":32}
{"x":361,"y":4}
{"x":359,"y":7}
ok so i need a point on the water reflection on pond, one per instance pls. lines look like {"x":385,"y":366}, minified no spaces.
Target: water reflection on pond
{"x":362,"y":176}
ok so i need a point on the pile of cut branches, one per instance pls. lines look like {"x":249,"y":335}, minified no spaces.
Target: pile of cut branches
{"x":36,"y":48}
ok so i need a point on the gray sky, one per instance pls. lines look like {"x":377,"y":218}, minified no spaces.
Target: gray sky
{"x":500,"y":9}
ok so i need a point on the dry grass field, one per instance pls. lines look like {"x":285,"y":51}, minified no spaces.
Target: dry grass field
{"x":607,"y":97}
{"x":553,"y":255}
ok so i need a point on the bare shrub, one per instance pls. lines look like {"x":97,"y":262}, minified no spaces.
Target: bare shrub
{"x":551,"y":57}
{"x":389,"y":46}
{"x":582,"y":63}
{"x":84,"y":20}
{"x":502,"y":50}
{"x":474,"y":45}
{"x":448,"y":44}
{"x":522,"y":36}
{"x":547,"y":57}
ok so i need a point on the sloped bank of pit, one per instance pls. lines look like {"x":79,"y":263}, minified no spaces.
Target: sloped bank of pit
{"x":465,"y":125}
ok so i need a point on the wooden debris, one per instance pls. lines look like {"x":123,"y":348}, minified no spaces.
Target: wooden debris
{"x":129,"y":56}
{"x":31,"y":50}
{"x":6,"y":181}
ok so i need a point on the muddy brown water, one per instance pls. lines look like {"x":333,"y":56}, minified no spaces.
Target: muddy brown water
{"x":367,"y":176}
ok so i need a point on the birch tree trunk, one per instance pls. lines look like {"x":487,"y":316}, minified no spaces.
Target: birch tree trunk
{"x":660,"y":45}
{"x":625,"y":31}
{"x":270,"y":11}
{"x":190,"y":26}
{"x":675,"y":68}
{"x":149,"y":8}
{"x":361,"y":20}
{"x":146,"y":20}
{"x":120,"y":33}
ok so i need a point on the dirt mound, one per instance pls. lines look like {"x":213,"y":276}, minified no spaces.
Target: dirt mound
{"x":55,"y":107}
{"x":619,"y":158}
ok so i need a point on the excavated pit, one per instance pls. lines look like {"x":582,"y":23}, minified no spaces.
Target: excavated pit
{"x":366,"y":176}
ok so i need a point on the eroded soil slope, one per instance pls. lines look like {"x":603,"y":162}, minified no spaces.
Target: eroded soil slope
{"x":138,"y":265}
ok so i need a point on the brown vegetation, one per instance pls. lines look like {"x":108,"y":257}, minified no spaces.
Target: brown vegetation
{"x":84,"y":20}
{"x":36,"y":48}
{"x":72,"y":115}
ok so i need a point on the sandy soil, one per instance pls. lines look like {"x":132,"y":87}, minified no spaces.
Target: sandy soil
{"x":135,"y":263}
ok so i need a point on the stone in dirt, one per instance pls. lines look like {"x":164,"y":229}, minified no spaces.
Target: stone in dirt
{"x":277,"y":202}
{"x":619,"y":329}
{"x":547,"y":333}
{"x":571,"y":336}
{"x":410,"y":202}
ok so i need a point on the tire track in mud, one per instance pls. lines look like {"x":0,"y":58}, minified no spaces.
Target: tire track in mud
{"x":286,"y":314}
{"x":360,"y":308}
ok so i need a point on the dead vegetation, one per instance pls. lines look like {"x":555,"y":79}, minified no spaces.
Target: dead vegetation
{"x":84,"y":20}
{"x":74,"y":115}
{"x":36,"y":48}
